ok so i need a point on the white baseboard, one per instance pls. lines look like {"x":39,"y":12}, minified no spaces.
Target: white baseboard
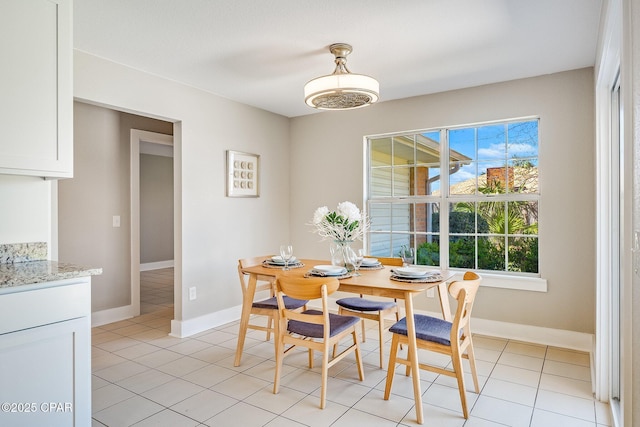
{"x":99,"y":318}
{"x":186,"y":328}
{"x":156,"y":265}
{"x":534,"y":334}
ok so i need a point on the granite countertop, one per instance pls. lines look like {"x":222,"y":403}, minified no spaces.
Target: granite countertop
{"x":30,"y":272}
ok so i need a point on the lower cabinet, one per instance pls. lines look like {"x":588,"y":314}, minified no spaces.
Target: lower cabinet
{"x":45,"y":370}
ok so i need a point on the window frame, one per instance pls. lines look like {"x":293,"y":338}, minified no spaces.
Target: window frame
{"x":500,"y":279}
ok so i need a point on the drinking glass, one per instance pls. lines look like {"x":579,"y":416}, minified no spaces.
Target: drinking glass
{"x":407,"y":256}
{"x":357,"y":260}
{"x":286,"y":252}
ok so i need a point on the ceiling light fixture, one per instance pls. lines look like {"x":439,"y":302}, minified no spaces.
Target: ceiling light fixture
{"x":341,"y":90}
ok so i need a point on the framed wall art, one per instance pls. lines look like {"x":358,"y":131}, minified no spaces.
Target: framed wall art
{"x":243,"y":174}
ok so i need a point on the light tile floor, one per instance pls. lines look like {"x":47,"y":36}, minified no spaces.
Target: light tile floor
{"x":144,"y":377}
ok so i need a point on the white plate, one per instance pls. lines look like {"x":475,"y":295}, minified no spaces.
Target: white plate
{"x":410,"y":272}
{"x":278,"y":260}
{"x":329,"y":270}
{"x":370,"y":261}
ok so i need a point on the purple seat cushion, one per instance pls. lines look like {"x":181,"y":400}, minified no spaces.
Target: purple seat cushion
{"x":363,"y":304}
{"x":337,"y":324}
{"x":272,"y":303}
{"x":427,"y":329}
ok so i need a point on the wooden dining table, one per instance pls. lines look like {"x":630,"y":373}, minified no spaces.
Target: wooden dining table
{"x":375,"y":282}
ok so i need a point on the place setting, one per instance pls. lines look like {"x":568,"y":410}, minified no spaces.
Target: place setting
{"x":371,"y":264}
{"x":284,"y":261}
{"x":337,"y":271}
{"x":415,"y":275}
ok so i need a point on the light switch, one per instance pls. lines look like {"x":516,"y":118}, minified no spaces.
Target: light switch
{"x":116,"y":220}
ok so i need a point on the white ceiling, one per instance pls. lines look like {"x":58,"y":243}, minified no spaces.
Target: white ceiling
{"x":262,"y":52}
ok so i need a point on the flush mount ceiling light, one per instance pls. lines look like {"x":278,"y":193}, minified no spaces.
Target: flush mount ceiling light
{"x":341,"y":90}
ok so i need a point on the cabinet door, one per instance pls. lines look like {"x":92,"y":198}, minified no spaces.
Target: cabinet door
{"x":36,"y":88}
{"x":45,"y":375}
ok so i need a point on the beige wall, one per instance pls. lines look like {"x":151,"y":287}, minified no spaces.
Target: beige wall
{"x":156,"y":208}
{"x":99,"y":190}
{"x":327,"y":168}
{"x":87,"y":203}
{"x":212,"y":231}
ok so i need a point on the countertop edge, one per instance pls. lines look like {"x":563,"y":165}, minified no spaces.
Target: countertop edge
{"x":33,"y":272}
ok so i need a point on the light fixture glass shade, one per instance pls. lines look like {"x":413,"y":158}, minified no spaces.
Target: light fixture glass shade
{"x":341,"y":91}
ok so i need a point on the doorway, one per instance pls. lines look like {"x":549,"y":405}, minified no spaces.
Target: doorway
{"x":152,"y":243}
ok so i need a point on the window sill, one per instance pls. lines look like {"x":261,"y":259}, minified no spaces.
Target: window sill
{"x":533,"y":284}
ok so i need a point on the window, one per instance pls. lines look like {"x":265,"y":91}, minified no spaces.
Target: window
{"x":482,"y":213}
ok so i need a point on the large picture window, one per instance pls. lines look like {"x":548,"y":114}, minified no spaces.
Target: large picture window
{"x":462,"y":197}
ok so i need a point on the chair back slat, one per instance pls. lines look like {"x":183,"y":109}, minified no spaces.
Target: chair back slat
{"x":464,"y":291}
{"x":307,"y":287}
{"x":392,"y":261}
{"x":301,"y":317}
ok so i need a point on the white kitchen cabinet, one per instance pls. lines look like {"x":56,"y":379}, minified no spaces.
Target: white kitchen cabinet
{"x":36,"y":88}
{"x":45,"y":354}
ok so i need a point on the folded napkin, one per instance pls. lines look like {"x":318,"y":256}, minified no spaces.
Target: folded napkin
{"x":324,"y":274}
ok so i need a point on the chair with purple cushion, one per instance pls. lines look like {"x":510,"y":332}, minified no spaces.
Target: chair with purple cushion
{"x":450,"y":338}
{"x":314,"y":329}
{"x":265,"y":307}
{"x":372,"y":309}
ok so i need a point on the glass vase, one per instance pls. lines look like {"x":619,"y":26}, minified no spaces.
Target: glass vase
{"x":342,"y":255}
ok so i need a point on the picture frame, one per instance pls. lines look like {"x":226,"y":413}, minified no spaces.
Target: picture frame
{"x":243,"y":174}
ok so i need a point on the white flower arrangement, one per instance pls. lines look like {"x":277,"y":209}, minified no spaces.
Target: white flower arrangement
{"x":344,"y":224}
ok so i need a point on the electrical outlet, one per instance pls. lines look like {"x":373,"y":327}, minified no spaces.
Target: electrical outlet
{"x":116,"y":220}
{"x":192,"y":293}
{"x":431,"y":293}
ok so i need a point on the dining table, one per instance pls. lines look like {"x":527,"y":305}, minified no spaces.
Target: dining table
{"x":371,"y":281}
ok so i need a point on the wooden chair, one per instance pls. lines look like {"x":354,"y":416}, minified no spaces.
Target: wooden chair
{"x":313,"y":329}
{"x":372,"y":309}
{"x":450,"y":338}
{"x":267,"y":307}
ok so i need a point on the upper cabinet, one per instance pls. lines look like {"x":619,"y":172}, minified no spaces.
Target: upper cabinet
{"x":36,"y":88}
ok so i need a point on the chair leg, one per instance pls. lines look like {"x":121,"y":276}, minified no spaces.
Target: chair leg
{"x":457,"y":366}
{"x":269,"y":327}
{"x":244,"y":323}
{"x":279,"y":360}
{"x":358,"y":355}
{"x":392,"y":366}
{"x":472,"y":364}
{"x":364,"y":334}
{"x":325,"y":374}
{"x":381,"y":337}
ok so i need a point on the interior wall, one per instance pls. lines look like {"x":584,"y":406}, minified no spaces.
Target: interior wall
{"x":26,"y":210}
{"x":88,"y":201}
{"x":156,"y":208}
{"x":100,"y":190}
{"x":327,"y":167}
{"x":213,"y":231}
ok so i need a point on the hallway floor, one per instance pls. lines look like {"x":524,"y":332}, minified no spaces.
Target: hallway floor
{"x":144,"y":377}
